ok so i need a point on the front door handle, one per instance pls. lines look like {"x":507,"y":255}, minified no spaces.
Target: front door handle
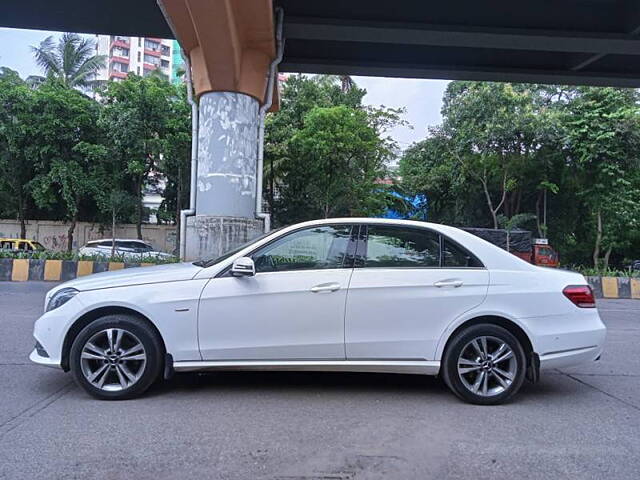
{"x":326,"y":287}
{"x":448,"y":283}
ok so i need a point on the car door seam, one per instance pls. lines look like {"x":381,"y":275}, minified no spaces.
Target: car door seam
{"x":198,"y":317}
{"x":344,"y":317}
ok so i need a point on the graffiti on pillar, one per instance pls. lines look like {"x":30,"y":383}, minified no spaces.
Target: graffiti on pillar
{"x":227,"y":153}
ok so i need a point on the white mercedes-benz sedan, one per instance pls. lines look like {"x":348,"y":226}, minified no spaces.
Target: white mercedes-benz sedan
{"x":348,"y":294}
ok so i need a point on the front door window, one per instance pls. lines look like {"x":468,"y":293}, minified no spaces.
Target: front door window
{"x":316,"y":248}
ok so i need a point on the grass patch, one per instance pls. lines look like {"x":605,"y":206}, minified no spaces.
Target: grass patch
{"x":49,"y":255}
{"x":608,"y":272}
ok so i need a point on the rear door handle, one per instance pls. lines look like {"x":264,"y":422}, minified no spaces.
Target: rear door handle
{"x":448,"y":283}
{"x":326,"y":287}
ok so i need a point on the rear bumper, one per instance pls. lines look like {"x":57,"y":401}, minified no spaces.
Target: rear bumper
{"x":568,"y":339}
{"x":569,"y":358}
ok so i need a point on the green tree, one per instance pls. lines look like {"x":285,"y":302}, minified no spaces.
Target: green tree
{"x":427,"y":168}
{"x":110,"y":185}
{"x":66,"y":120}
{"x":336,"y":159}
{"x":17,"y":167}
{"x":300,"y":94}
{"x":562,"y":160}
{"x":602,"y":134}
{"x":71,"y":61}
{"x":175,"y":163}
{"x":293,"y":147}
{"x":135,"y":120}
{"x":493,"y":129}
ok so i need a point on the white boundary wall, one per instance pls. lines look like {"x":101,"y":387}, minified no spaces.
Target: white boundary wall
{"x":53,"y":234}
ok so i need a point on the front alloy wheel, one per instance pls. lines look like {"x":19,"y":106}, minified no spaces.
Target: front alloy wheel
{"x":484,"y":364}
{"x":116,"y":357}
{"x":113,"y":359}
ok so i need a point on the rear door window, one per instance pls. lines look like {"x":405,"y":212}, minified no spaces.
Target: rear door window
{"x":399,"y":247}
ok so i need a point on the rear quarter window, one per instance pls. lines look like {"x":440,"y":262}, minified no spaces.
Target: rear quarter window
{"x":455,"y":256}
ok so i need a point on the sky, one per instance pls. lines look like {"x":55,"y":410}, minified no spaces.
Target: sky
{"x":421,"y":98}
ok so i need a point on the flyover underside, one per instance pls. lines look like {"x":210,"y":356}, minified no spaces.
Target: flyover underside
{"x":591,"y":42}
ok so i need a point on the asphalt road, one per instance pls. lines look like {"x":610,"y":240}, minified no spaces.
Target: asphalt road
{"x":581,"y":423}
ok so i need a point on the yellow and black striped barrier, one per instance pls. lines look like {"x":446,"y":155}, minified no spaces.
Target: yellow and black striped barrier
{"x":615,"y":287}
{"x":23,"y":269}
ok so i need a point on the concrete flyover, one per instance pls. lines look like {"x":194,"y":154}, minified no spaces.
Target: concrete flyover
{"x":590,"y":42}
{"x":235,"y":47}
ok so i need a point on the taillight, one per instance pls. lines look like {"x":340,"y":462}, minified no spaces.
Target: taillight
{"x":580,"y":295}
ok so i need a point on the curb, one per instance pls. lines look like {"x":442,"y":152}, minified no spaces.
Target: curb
{"x":615,"y":287}
{"x":24,"y":269}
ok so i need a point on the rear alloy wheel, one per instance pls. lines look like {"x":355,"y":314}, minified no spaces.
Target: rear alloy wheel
{"x":484,"y":364}
{"x":116,"y":357}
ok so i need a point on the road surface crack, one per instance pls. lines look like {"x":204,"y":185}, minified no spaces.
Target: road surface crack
{"x":629,"y":404}
{"x":34,"y":409}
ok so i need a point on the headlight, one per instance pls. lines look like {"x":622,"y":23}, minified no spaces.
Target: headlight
{"x":60,"y":298}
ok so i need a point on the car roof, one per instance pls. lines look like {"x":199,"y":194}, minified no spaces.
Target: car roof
{"x":118,"y":240}
{"x":7,"y":239}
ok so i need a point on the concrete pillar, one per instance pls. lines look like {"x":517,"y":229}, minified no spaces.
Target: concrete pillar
{"x":226,"y":177}
{"x":227,"y":153}
{"x":231,"y":45}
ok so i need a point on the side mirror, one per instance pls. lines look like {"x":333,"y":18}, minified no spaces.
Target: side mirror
{"x":243,"y":267}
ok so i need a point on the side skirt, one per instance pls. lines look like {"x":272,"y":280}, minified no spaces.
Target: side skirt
{"x":420,"y":367}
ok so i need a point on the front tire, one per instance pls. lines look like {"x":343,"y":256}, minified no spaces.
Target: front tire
{"x":484,"y":364}
{"x":116,"y":357}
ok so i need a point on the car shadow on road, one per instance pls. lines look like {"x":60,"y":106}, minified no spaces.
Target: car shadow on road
{"x":312,"y":383}
{"x":300,"y":381}
{"x":348,"y":383}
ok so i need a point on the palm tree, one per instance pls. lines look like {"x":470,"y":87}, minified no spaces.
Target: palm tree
{"x":72,"y":61}
{"x":346,"y":83}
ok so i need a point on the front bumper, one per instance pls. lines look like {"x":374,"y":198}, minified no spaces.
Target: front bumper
{"x":49,"y":331}
{"x":35,"y":357}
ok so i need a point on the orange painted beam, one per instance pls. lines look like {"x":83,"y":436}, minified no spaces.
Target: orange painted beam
{"x":230,"y":43}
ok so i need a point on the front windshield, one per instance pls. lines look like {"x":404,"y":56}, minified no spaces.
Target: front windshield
{"x":212,"y":261}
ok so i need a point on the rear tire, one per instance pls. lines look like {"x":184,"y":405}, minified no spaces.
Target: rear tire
{"x":484,"y":364}
{"x":116,"y":357}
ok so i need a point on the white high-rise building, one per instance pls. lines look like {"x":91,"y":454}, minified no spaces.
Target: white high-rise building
{"x":139,"y":55}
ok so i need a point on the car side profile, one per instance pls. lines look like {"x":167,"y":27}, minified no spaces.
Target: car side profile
{"x":350,"y":294}
{"x":129,"y":249}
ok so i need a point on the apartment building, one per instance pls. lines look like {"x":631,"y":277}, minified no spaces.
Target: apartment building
{"x":139,"y":55}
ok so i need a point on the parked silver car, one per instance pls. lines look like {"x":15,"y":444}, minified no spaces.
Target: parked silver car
{"x":129,"y":249}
